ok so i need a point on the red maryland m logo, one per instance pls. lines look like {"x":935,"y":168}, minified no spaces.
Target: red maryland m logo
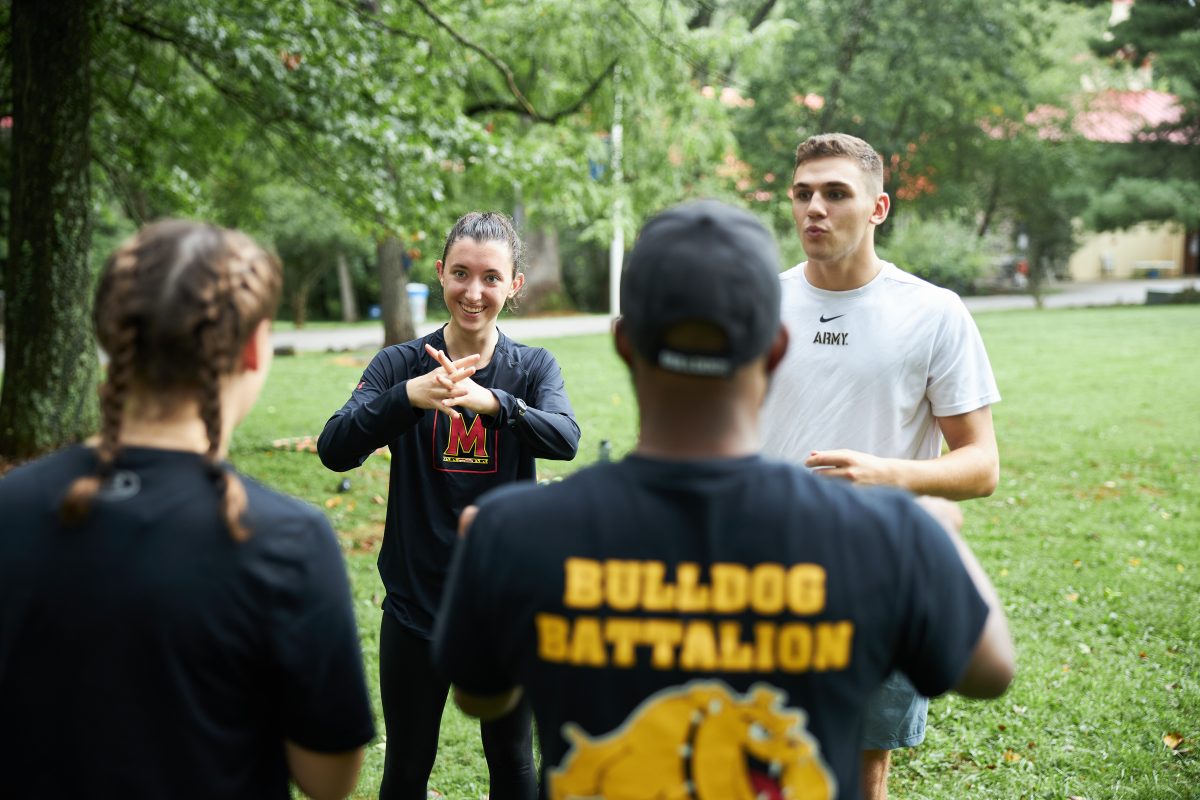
{"x":464,"y":440}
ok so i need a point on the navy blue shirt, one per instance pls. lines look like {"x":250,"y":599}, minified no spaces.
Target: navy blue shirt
{"x":440,"y":466}
{"x":145,"y":653}
{"x":718,"y":623}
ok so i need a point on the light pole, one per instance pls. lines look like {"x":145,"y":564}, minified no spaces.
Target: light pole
{"x":616,"y":252}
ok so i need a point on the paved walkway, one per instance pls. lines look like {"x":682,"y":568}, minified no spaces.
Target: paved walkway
{"x":1065,"y":295}
{"x":371,"y":338}
{"x":1079,"y":295}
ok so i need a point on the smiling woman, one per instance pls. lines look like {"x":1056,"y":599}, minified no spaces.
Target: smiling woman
{"x":477,"y":278}
{"x":463,"y":410}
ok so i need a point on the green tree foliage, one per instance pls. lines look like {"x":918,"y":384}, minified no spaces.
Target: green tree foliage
{"x":1161,"y":168}
{"x":386,"y":119}
{"x":557,"y":152}
{"x":915,"y":79}
{"x":199,"y":97}
{"x":1131,"y":200}
{"x":309,"y":233}
{"x":940,"y":250}
{"x":943,"y":92}
{"x":379,"y":107}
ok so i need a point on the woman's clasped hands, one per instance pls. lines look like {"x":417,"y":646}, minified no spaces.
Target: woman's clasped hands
{"x":449,"y":387}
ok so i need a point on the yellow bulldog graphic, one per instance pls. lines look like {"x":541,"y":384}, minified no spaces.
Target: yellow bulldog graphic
{"x":700,"y":741}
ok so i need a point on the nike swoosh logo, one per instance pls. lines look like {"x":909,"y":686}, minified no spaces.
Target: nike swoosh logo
{"x":831,"y":319}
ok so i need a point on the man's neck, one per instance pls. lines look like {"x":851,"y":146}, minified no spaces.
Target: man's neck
{"x":679,"y":446}
{"x":844,"y":274}
{"x":460,"y":344}
{"x":680,"y":424}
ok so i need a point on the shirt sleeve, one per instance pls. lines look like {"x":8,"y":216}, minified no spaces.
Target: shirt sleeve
{"x":466,"y":649}
{"x":960,"y":375}
{"x":377,"y":413}
{"x":945,"y":613}
{"x":548,"y":427}
{"x":326,"y":707}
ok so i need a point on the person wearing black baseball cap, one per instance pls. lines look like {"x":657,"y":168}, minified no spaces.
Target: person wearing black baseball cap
{"x":695,"y":620}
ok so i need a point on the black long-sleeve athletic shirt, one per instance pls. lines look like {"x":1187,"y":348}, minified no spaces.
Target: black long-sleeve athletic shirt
{"x":440,"y":466}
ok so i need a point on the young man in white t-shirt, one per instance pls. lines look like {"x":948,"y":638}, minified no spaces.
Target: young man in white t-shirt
{"x":883,"y":366}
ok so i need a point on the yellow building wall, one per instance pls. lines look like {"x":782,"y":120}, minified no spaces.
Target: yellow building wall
{"x":1131,"y":253}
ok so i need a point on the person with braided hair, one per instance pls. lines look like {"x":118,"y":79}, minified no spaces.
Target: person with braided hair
{"x":463,"y":410}
{"x":169,"y":628}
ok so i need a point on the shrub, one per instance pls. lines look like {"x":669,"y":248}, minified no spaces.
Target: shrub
{"x":942,"y":251}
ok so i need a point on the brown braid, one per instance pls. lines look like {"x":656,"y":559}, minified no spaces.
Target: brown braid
{"x":175,"y":307}
{"x":121,"y":273}
{"x":216,"y":358}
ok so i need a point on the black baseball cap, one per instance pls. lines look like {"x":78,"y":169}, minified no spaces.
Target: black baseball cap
{"x":704,"y":266}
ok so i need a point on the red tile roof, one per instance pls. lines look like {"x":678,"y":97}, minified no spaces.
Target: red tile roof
{"x":1125,"y":116}
{"x":1113,"y":115}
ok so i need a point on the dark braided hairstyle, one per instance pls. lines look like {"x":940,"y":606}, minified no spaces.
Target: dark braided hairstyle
{"x":174,"y":308}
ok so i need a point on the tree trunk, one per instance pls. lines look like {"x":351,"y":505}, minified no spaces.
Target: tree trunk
{"x":299,"y":300}
{"x":992,"y":202}
{"x":51,"y":369}
{"x":393,"y":292}
{"x":346,"y":290}
{"x":543,"y":272}
{"x":1037,"y":273}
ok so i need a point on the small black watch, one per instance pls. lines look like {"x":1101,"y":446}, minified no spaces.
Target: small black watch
{"x":521,"y":407}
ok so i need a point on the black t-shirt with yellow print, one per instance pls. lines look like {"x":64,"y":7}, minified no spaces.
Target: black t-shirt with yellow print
{"x":703,"y":629}
{"x":146,"y":654}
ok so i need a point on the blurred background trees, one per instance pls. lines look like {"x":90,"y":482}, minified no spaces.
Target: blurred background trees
{"x":349,"y":134}
{"x":1157,"y":176}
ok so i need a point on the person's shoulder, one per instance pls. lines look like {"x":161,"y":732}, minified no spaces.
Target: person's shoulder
{"x":47,"y":471}
{"x":274,"y":516}
{"x":884,"y":511}
{"x":514,"y":349}
{"x":858,"y":507}
{"x":551,"y":498}
{"x":792,"y":282}
{"x":795,"y":275}
{"x":770,"y":468}
{"x":413,"y":347}
{"x":794,"y":287}
{"x":292,"y":555}
{"x":276,"y":503}
{"x":401,"y":359}
{"x":914,"y":285}
{"x":522,"y":356}
{"x":895,"y":275}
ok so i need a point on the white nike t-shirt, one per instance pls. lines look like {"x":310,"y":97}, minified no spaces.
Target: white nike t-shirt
{"x":869,"y":369}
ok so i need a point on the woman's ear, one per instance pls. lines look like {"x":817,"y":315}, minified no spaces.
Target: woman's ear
{"x":438,"y":265}
{"x":518,"y":282}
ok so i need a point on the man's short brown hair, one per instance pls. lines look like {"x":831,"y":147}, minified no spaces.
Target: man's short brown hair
{"x":842,"y":145}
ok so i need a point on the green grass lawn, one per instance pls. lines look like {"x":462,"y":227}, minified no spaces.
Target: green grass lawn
{"x":1092,"y":539}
